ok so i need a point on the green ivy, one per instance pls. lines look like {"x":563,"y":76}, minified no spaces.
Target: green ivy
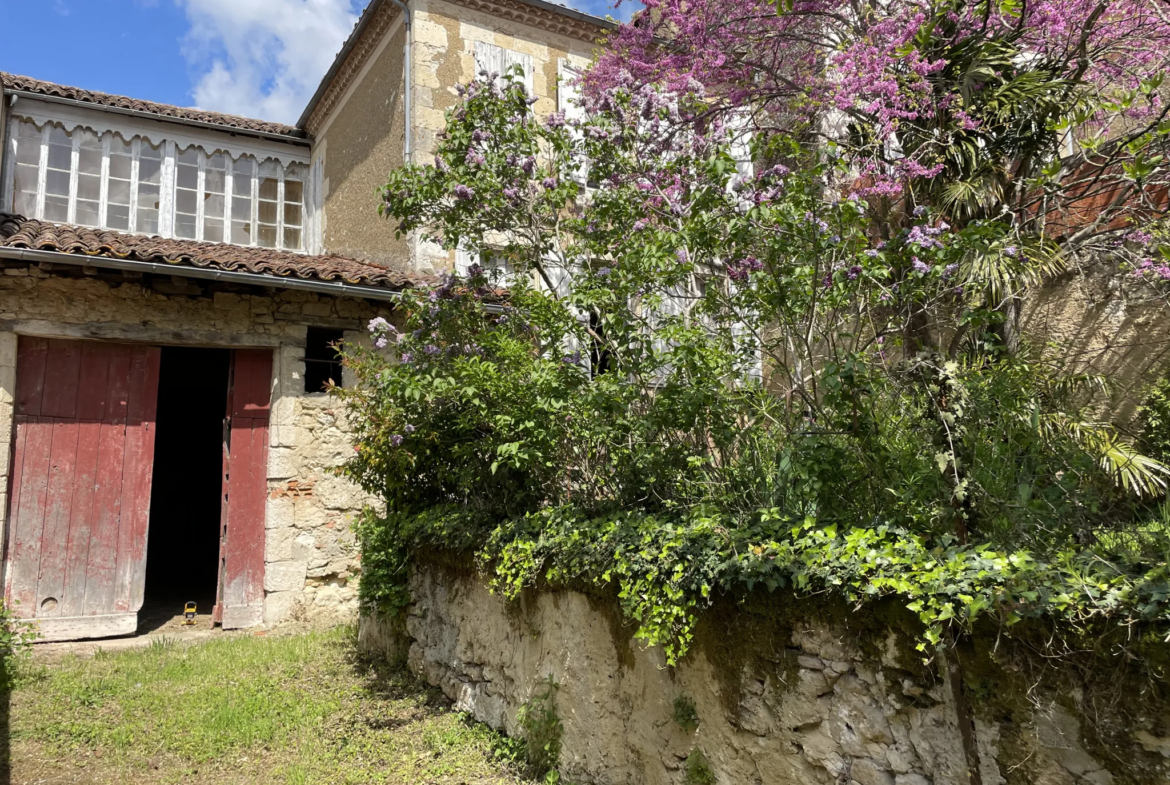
{"x":667,"y":570}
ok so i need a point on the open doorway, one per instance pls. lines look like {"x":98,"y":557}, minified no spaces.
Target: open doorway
{"x":182,"y":556}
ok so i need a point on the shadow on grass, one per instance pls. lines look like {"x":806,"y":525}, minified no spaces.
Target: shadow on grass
{"x":386,"y":680}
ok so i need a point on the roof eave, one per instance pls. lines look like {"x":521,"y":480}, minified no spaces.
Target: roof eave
{"x":336,"y":288}
{"x":301,"y":139}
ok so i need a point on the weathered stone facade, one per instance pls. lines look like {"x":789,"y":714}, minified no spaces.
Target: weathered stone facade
{"x":311,"y":558}
{"x":798,"y":697}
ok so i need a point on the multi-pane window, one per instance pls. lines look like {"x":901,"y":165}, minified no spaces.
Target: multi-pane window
{"x":130,"y":185}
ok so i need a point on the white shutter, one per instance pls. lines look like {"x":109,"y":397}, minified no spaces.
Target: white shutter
{"x":497,"y":60}
{"x":315,"y":240}
{"x":740,"y":145}
{"x":489,"y":58}
{"x":569,"y":103}
{"x":524,"y":61}
{"x":464,"y":258}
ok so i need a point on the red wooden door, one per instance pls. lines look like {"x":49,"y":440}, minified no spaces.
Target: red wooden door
{"x":245,"y":485}
{"x":80,"y":488}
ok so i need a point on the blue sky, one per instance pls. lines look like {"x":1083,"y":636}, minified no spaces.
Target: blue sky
{"x":260,"y":58}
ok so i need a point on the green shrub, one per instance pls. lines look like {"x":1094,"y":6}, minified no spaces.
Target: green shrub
{"x":698,"y":769}
{"x":685,"y":715}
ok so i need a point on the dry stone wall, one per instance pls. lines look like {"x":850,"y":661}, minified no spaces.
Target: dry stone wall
{"x":310,"y":552}
{"x":789,"y":699}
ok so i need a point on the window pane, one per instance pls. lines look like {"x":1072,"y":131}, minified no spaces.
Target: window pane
{"x":26,"y":203}
{"x":57,"y":183}
{"x":28,"y":151}
{"x":120,"y":166}
{"x":292,"y":214}
{"x":241,"y":210}
{"x":87,"y":213}
{"x":118,"y":217}
{"x":187,"y":176}
{"x":267,"y":237}
{"x":147,"y":221}
{"x":57,"y":208}
{"x":213,"y":231}
{"x":189,"y":156}
{"x":268,"y":189}
{"x":292,"y":239}
{"x":25,"y":189}
{"x":185,"y":202}
{"x":185,"y":226}
{"x":213,"y":206}
{"x":89,"y":187}
{"x":241,"y":232}
{"x":213,"y":181}
{"x":119,"y":192}
{"x":148,"y":197}
{"x":293,"y":191}
{"x":60,"y":158}
{"x":267,"y":213}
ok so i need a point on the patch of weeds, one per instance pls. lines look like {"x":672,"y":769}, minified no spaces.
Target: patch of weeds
{"x":16,"y":639}
{"x":685,"y":715}
{"x":698,"y":769}
{"x":542,"y":731}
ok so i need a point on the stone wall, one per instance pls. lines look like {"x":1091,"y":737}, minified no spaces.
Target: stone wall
{"x":789,"y":695}
{"x":311,"y":556}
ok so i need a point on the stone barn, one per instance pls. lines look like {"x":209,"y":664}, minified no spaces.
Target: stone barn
{"x":172,"y":286}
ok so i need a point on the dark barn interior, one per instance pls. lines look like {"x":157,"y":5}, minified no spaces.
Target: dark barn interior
{"x":182,"y":557}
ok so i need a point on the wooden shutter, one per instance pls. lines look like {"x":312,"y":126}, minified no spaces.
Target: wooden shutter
{"x":241,"y":602}
{"x":81,"y":473}
{"x":569,"y":103}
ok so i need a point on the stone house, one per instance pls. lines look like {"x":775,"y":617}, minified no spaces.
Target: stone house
{"x":172,"y":284}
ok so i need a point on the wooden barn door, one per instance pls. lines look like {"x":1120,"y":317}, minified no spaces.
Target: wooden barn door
{"x":240,"y":601}
{"x":80,"y":493}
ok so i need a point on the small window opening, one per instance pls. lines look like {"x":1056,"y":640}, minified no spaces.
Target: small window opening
{"x":322,"y":361}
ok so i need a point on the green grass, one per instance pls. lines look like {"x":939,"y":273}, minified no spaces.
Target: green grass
{"x":280,"y":709}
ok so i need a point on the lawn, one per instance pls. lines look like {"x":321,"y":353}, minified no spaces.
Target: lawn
{"x":289,"y":709}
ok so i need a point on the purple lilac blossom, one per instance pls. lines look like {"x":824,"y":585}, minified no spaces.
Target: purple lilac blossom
{"x":463,"y":192}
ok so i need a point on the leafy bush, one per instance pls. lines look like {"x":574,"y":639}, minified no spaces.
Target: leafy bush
{"x":701,"y":381}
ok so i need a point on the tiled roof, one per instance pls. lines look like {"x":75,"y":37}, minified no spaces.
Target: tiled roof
{"x":19,"y":232}
{"x":29,"y":85}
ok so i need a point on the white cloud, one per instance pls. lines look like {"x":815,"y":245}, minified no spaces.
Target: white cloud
{"x":263,"y":58}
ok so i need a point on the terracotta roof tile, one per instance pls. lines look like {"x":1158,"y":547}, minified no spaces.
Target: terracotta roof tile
{"x":29,"y":85}
{"x":19,"y":232}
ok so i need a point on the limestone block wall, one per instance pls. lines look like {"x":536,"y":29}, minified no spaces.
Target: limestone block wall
{"x":310,"y":553}
{"x":784,"y":697}
{"x":443,"y":55}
